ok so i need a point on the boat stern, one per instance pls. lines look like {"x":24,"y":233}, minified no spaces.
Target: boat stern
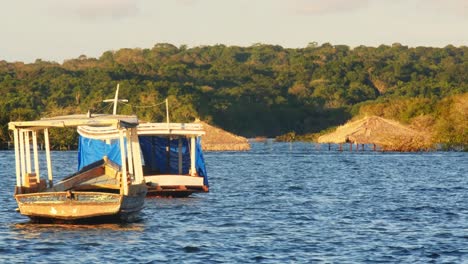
{"x":68,"y":205}
{"x":175,"y":185}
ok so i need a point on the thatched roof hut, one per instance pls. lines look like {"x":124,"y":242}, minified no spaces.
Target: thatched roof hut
{"x":217,"y":139}
{"x":388,"y":134}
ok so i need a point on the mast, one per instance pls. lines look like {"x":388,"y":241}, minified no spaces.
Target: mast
{"x":115,"y":100}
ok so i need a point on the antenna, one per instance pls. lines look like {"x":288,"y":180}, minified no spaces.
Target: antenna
{"x":167,"y":110}
{"x":115,"y":100}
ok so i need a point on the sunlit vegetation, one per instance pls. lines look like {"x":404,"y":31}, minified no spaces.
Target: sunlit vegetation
{"x":261,"y":90}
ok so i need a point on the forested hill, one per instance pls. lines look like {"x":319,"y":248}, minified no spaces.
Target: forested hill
{"x":261,"y":90}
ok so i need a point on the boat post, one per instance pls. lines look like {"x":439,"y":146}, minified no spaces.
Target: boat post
{"x":130,"y":152}
{"x":27,"y":149}
{"x":138,"y":167}
{"x":124,"y":179}
{"x":192,"y":156}
{"x":180,"y":155}
{"x":17,"y":160}
{"x":49,"y":162}
{"x":22,"y":158}
{"x":36,"y":156}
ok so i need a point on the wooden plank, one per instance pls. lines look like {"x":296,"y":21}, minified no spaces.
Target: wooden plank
{"x":137,"y":156}
{"x":30,"y":178}
{"x":36,"y":156}
{"x":124,"y":180}
{"x":17,"y":158}
{"x":85,"y":176}
{"x":174,"y":180}
{"x":192,"y":156}
{"x":74,"y":121}
{"x":22,"y":157}
{"x":27,"y":149}
{"x":49,"y":161}
{"x":130,"y":152}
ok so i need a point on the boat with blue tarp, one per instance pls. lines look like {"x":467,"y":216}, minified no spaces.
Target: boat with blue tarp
{"x":172,"y":158}
{"x":106,"y":189}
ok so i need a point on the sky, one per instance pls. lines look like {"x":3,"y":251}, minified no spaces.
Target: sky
{"x":57,"y":30}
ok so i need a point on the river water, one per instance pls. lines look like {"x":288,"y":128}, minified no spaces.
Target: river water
{"x":278,"y":203}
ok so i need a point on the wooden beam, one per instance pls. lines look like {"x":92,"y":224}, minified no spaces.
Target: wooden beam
{"x":75,"y":180}
{"x":179,"y":148}
{"x":124,"y":179}
{"x":192,"y":156}
{"x":22,"y":157}
{"x":36,"y":156}
{"x":129,"y":152}
{"x":17,"y":158}
{"x":27,"y":149}
{"x":74,"y":121}
{"x":138,"y":165}
{"x":49,"y":161}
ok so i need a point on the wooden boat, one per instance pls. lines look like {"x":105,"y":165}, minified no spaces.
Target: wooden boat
{"x":101,"y":191}
{"x":173,"y":158}
{"x":173,"y":163}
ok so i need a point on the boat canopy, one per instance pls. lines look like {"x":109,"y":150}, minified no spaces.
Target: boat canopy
{"x":119,"y":129}
{"x":162,"y":145}
{"x":112,"y":121}
{"x":160,"y":161}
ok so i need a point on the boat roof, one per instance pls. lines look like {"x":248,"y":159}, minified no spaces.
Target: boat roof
{"x":189,"y":129}
{"x":145,"y":129}
{"x":112,"y":121}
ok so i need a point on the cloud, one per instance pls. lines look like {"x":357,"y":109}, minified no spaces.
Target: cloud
{"x":319,"y":7}
{"x":100,"y":9}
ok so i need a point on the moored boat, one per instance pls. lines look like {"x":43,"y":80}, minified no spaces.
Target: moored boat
{"x":101,"y":191}
{"x":172,"y":159}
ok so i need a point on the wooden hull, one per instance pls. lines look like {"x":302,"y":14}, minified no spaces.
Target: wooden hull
{"x":174,"y":185}
{"x":78,"y":206}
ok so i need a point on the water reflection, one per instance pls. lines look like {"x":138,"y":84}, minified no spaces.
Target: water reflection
{"x":32,"y":228}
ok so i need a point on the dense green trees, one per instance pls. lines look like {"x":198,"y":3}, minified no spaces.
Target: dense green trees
{"x":261,"y":90}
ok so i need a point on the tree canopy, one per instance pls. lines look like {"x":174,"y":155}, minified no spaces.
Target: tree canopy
{"x":261,"y":90}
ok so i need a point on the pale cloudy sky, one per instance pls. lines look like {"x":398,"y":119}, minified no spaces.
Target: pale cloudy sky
{"x":55,"y":30}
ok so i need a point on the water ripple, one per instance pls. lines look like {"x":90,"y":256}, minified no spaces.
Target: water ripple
{"x":279,"y":203}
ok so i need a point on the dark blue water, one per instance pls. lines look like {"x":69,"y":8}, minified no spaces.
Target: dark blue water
{"x":279,"y":203}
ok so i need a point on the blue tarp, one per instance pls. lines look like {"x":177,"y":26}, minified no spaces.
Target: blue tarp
{"x":200,"y":162}
{"x":160,"y":161}
{"x":92,"y":150}
{"x":154,"y":150}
